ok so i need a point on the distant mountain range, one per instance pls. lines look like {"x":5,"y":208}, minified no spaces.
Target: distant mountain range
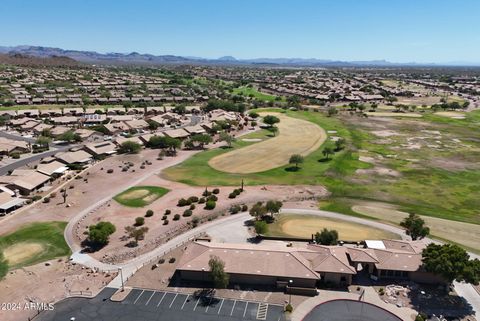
{"x":135,"y":58}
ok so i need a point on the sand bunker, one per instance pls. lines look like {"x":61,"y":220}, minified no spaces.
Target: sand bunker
{"x":20,"y":252}
{"x":134,"y":194}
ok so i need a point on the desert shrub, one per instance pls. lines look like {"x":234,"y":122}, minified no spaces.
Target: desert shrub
{"x":139,"y":221}
{"x":183,"y":202}
{"x":36,"y":198}
{"x":165,"y":222}
{"x":232,"y":195}
{"x":110,"y":171}
{"x":195,"y":221}
{"x":234,"y":209}
{"x":192,"y":207}
{"x":237,"y":191}
{"x":244,"y":208}
{"x":212,"y":198}
{"x":172,"y":260}
{"x":216,"y":191}
{"x":46,"y":199}
{"x":206,"y":193}
{"x":289,"y":308}
{"x":187,"y":213}
{"x":193,"y":199}
{"x":161,"y":261}
{"x":53,"y":195}
{"x":210,"y":205}
{"x":149,"y":213}
{"x":168,"y":212}
{"x":201,"y":200}
{"x":176,"y":217}
{"x":164,"y":217}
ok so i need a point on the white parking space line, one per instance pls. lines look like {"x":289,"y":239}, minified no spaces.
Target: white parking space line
{"x":148,"y":301}
{"x":184,"y":302}
{"x":138,"y":297}
{"x":173,"y":300}
{"x":221,"y":304}
{"x":233,"y":307}
{"x":198,"y":300}
{"x":245,"y":311}
{"x":208,"y":305}
{"x":164,"y":294}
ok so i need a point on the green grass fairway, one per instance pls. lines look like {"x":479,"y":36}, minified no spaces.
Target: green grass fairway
{"x":303,"y":226}
{"x":196,"y":171}
{"x":248,"y":92}
{"x":34,"y":243}
{"x":140,"y":196}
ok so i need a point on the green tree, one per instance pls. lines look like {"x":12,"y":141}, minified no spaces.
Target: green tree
{"x":253,"y":114}
{"x":136,"y":233}
{"x":201,"y":139}
{"x":261,"y":227}
{"x":43,"y":141}
{"x":340,"y":144}
{"x":273,"y":207}
{"x":130,"y":147}
{"x":332,"y":111}
{"x":296,"y":159}
{"x":415,"y":226}
{"x":327,"y":152}
{"x":70,"y":136}
{"x":271,"y":120}
{"x":258,"y":210}
{"x":139,"y":221}
{"x":99,"y":233}
{"x":326,"y":237}
{"x":227,"y":138}
{"x":273,"y":130}
{"x":217,"y":271}
{"x":451,"y":262}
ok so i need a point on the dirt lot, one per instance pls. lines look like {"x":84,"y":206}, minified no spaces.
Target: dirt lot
{"x":46,"y":283}
{"x":295,"y":137}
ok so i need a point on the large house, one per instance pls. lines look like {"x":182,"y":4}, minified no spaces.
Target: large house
{"x":306,"y":267}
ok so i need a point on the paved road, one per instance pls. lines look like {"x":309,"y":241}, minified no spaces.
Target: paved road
{"x":35,"y":157}
{"x":17,"y":137}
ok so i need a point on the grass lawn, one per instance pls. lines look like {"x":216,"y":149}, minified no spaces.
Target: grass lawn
{"x":43,"y":241}
{"x":196,"y":171}
{"x":249,"y":91}
{"x":140,"y":196}
{"x":303,"y":226}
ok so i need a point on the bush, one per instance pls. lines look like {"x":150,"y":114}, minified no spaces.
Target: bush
{"x":261,"y":227}
{"x":176,"y":217}
{"x":183,"y":202}
{"x":206,"y":193}
{"x":237,"y":191}
{"x":36,"y":198}
{"x":193,"y":199}
{"x":187,"y":213}
{"x":168,"y":212}
{"x":192,"y":207}
{"x":216,"y":191}
{"x":244,"y":208}
{"x":289,"y":308}
{"x":149,"y":213}
{"x":210,"y":205}
{"x":381,"y":291}
{"x":15,"y":155}
{"x":421,"y":317}
{"x":165,"y":222}
{"x":201,"y":200}
{"x":212,"y":198}
{"x":53,"y":195}
{"x":234,"y":209}
{"x":46,"y":200}
{"x":139,"y":221}
{"x":195,"y":221}
{"x":172,"y":260}
{"x":164,"y":217}
{"x":161,"y":261}
{"x":232,"y":195}
{"x":110,"y":171}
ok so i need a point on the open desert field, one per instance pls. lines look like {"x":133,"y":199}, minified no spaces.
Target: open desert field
{"x":303,"y":226}
{"x":462,"y":233}
{"x":295,"y":136}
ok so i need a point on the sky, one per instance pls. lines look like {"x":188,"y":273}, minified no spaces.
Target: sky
{"x":439,"y":31}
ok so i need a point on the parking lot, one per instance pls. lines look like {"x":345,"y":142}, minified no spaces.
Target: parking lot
{"x":148,"y":305}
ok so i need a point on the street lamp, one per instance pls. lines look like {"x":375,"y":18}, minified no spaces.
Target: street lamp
{"x":290,"y":282}
{"x":121,"y":277}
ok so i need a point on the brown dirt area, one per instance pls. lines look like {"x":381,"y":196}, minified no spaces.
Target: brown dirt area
{"x":20,"y":252}
{"x":44,"y":283}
